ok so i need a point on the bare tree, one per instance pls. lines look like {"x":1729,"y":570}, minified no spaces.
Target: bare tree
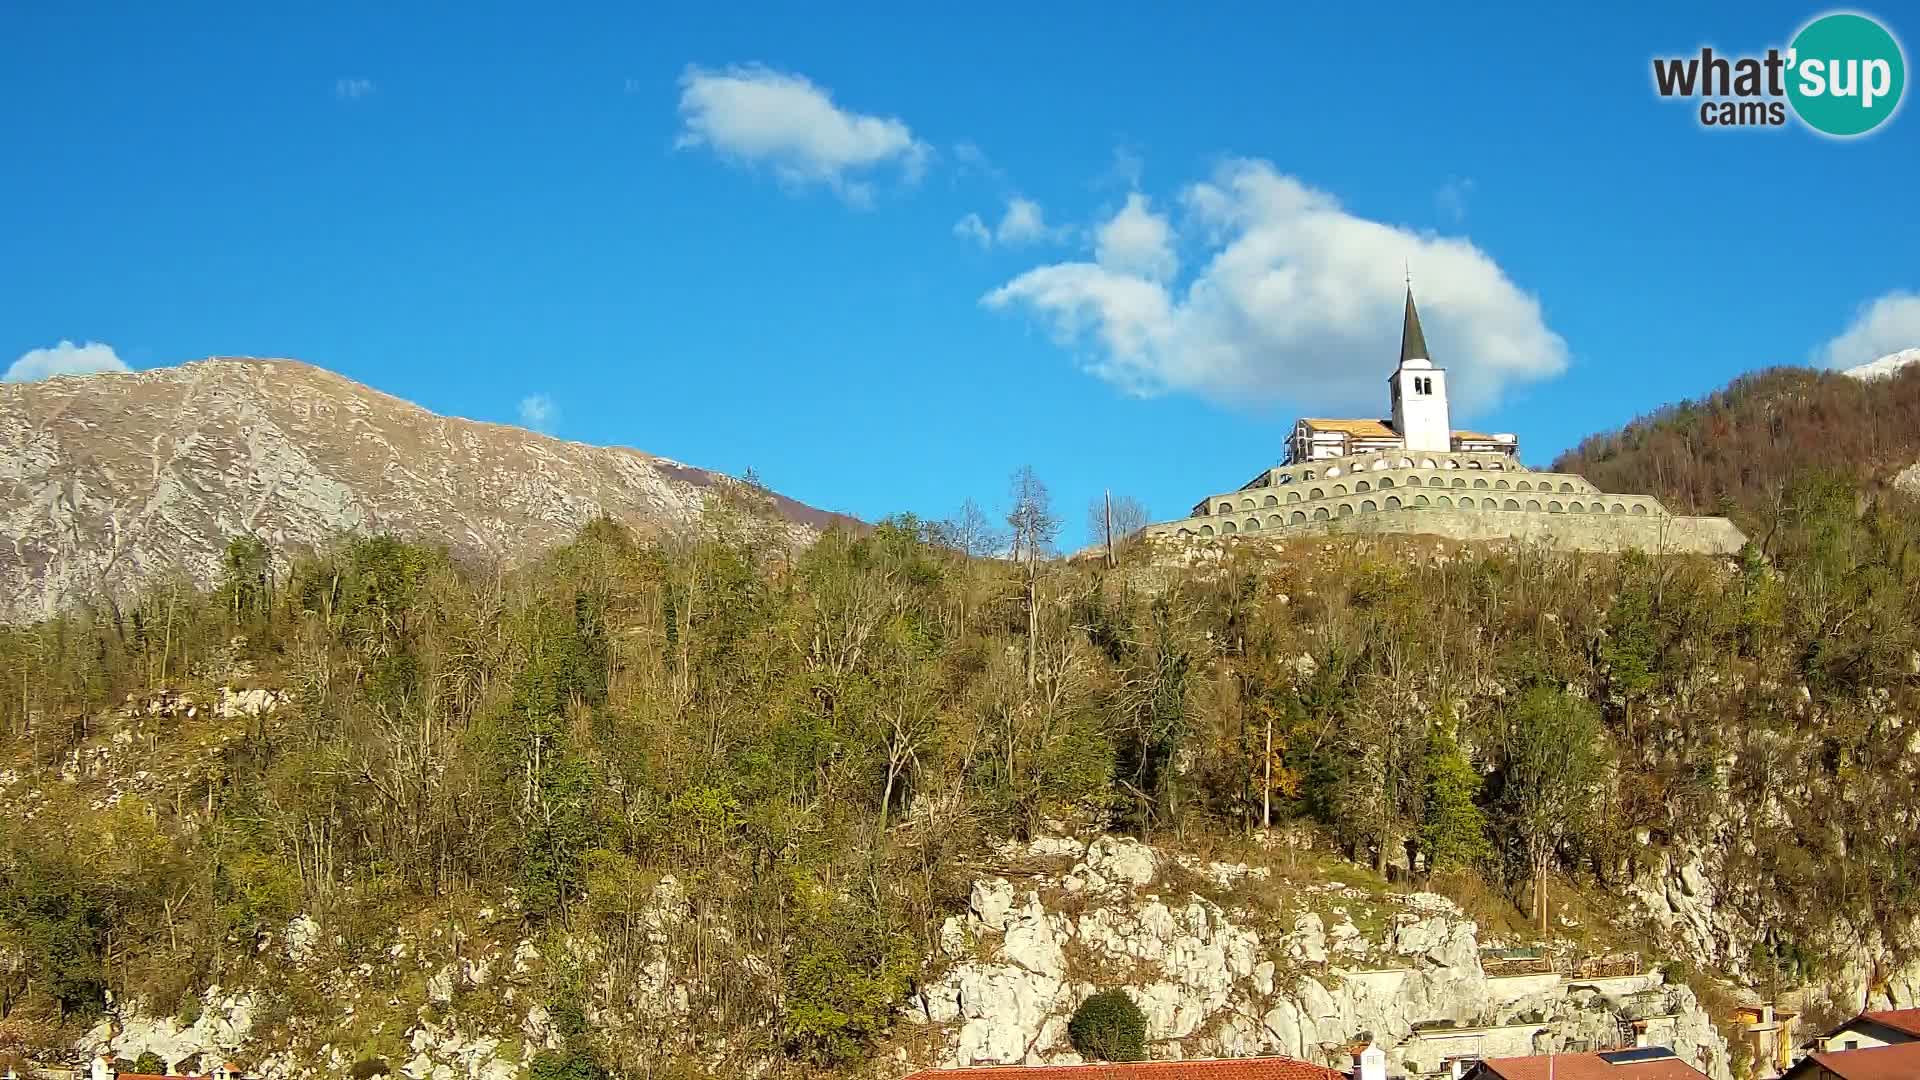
{"x":1034,"y":528}
{"x":1113,"y":519}
{"x":970,"y":532}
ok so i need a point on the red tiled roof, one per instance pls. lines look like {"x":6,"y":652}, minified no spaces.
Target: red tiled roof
{"x":1900,"y":1061}
{"x":1588,"y":1067}
{"x":1267,"y":1068}
{"x":1902,"y":1020}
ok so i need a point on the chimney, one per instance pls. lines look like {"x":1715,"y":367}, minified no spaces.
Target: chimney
{"x":1369,"y":1062}
{"x":102,"y":1069}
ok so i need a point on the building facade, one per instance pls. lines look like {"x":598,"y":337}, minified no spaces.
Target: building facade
{"x":1415,"y":473}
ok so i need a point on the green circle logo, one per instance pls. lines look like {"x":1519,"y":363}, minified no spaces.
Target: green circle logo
{"x":1846,"y":73}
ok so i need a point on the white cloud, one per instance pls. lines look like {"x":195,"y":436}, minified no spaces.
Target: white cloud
{"x":1298,"y":300}
{"x":753,"y":115}
{"x":65,"y":358}
{"x":538,"y":412}
{"x":1884,"y":325}
{"x":974,"y":229}
{"x":1137,"y":241}
{"x":1451,"y":198}
{"x":1024,"y":222}
{"x":352,"y":89}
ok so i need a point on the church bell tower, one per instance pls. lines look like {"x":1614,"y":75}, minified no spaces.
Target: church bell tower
{"x":1419,"y":390}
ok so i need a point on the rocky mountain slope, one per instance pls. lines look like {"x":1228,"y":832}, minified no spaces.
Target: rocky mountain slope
{"x":1887,"y":367}
{"x":111,"y":481}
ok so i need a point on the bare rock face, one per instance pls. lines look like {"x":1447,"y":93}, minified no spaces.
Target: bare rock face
{"x":112,"y":481}
{"x":1216,"y":981}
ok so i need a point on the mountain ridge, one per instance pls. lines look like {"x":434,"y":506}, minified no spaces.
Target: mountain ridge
{"x":111,"y":481}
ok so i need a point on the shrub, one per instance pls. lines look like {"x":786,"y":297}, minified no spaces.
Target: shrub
{"x":570,"y":1064}
{"x":368,"y":1068}
{"x":1109,"y":1027}
{"x":150,"y":1064}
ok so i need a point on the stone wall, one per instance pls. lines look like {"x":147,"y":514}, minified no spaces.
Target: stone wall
{"x":1589,"y":532}
{"x":1461,"y":497}
{"x":1592,"y":532}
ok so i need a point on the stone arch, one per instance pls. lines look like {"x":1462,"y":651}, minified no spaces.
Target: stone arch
{"x":1421,"y":500}
{"x":1368,"y":506}
{"x":1382,"y":463}
{"x":1449,"y":463}
{"x":1320,"y":513}
{"x":1299,"y":518}
{"x":1502,"y":485}
{"x":1275,"y":520}
{"x":1362,"y":486}
{"x":1246,"y":503}
{"x":1386,"y":481}
{"x":1554,"y":507}
{"x":1333,"y":471}
{"x":1446,"y":501}
{"x":1510,"y":504}
{"x":1564,"y":486}
{"x":1293,"y":496}
{"x":1283,"y":478}
{"x":1428,"y":463}
{"x":1638,"y":509}
{"x":1206,"y":530}
{"x":1307,"y":475}
{"x":1339,"y":489}
{"x":1474,"y":465}
{"x":1577,"y":508}
{"x":1524,"y":486}
{"x":1226,"y":508}
{"x":1317,"y":494}
{"x":1346,"y":509}
{"x":1619,"y":508}
{"x":1480,"y":482}
{"x":1406,"y":463}
{"x":1393,"y":502}
{"x":1413,"y":481}
{"x":1489,"y":504}
{"x":1253,"y":523}
{"x":1186,"y":534}
{"x":1533,"y":504}
{"x":1270,"y":500}
{"x":1459,"y":481}
{"x":1227,"y":528}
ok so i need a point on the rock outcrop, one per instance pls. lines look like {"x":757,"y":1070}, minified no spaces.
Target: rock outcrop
{"x":1281,"y":969}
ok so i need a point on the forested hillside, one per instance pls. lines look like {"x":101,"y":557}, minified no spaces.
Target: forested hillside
{"x":1734,"y":451}
{"x":818,"y":748}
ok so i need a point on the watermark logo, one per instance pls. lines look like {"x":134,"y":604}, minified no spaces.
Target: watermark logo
{"x":1842,"y":75}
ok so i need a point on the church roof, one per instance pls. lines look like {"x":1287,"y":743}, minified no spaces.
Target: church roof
{"x":1413,"y":343}
{"x":1364,"y":429}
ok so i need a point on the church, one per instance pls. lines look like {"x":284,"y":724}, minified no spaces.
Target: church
{"x":1414,"y":473}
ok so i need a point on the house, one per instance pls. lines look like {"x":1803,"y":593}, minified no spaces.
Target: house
{"x":1769,"y":1034}
{"x":1888,"y":1027}
{"x":1638,"y":1063}
{"x":1255,"y":1068}
{"x":1899,"y":1061}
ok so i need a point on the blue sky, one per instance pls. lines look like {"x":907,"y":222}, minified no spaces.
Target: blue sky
{"x":806,"y":241}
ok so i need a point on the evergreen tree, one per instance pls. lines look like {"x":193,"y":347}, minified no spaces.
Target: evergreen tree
{"x":1454,"y":832}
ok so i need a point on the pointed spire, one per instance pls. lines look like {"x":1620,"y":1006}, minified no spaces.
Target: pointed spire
{"x":1413,"y":343}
